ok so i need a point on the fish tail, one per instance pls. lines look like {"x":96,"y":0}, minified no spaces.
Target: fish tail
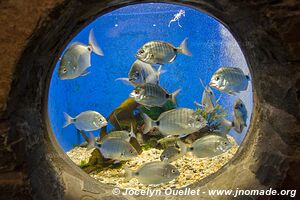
{"x":183,"y":48}
{"x":93,"y":43}
{"x":173,"y":96}
{"x":183,"y":148}
{"x":69,"y":120}
{"x":125,"y":81}
{"x":148,"y":123}
{"x":131,"y":132}
{"x":129,"y":174}
{"x":92,"y":142}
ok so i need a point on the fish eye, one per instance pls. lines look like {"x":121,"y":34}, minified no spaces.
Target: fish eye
{"x":225,"y":143}
{"x":141,"y":51}
{"x":136,"y":92}
{"x":210,"y":92}
{"x":173,"y":171}
{"x":89,"y":49}
{"x":217,"y":78}
{"x":122,"y":154}
{"x":64,"y":70}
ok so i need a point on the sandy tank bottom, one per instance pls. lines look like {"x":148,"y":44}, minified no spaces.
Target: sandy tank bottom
{"x":191,"y":168}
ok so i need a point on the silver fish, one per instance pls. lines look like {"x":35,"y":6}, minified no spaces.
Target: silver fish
{"x":209,"y":146}
{"x":124,"y":135}
{"x":142,"y":72}
{"x":151,"y":95}
{"x":230,"y":80}
{"x":178,"y":121}
{"x":209,"y":101}
{"x":86,"y":121}
{"x":223,"y":125}
{"x":159,"y":52}
{"x":240,"y":116}
{"x":77,"y":58}
{"x":155,"y":172}
{"x":171,"y":154}
{"x":114,"y":148}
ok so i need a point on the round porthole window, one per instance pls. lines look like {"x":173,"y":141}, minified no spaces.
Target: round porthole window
{"x":140,"y":97}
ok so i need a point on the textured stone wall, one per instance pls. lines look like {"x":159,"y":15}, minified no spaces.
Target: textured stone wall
{"x":33,"y":34}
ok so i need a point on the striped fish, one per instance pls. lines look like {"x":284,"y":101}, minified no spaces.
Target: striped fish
{"x":159,"y":52}
{"x":230,"y":80}
{"x":178,"y":121}
{"x":151,"y":95}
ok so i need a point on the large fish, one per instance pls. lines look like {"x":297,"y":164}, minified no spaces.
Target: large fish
{"x":151,"y":95}
{"x":77,"y":58}
{"x":159,"y":52}
{"x":114,"y":148}
{"x":240,"y":116}
{"x":209,"y":146}
{"x":155,"y":172}
{"x":230,"y":80}
{"x":86,"y":121}
{"x":142,"y":72}
{"x":178,"y":121}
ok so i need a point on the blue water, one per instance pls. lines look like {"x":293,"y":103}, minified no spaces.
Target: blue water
{"x":120,"y":34}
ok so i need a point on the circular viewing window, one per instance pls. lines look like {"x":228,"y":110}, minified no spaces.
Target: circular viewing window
{"x":151,"y":94}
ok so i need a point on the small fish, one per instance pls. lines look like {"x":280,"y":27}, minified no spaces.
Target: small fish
{"x":230,"y":80}
{"x":240,"y":116}
{"x":159,"y":52}
{"x":155,"y":172}
{"x":124,"y":135}
{"x":167,"y":141}
{"x":77,"y":58}
{"x":209,"y":101}
{"x":114,"y":148}
{"x":171,"y":154}
{"x":178,"y":121}
{"x":142,"y":72}
{"x":209,"y":146}
{"x":86,"y":121}
{"x":151,"y":95}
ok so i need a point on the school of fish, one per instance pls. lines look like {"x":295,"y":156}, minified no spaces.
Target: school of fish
{"x":172,"y":124}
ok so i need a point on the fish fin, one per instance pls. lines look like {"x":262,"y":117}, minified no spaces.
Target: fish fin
{"x":183,"y":147}
{"x":92,"y":142}
{"x":173,"y":96}
{"x":160,"y":71}
{"x":183,"y":48}
{"x":95,"y":46}
{"x":198,"y":104}
{"x":148,"y":123}
{"x":172,"y":59}
{"x":69,"y":120}
{"x":202,"y":83}
{"x":131,"y":133}
{"x":129,"y":174}
{"x":219,"y":98}
{"x":165,"y":160}
{"x":116,"y":162}
{"x":125,"y":81}
{"x":183,"y":135}
{"x":85,"y":72}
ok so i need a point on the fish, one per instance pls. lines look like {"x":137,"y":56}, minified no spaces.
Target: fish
{"x":77,"y":58}
{"x":223,"y":125}
{"x":230,"y":80}
{"x":171,"y":153}
{"x":159,"y":52}
{"x":141,"y":72}
{"x":114,"y":148}
{"x":168,"y":141}
{"x":178,"y":121}
{"x":208,"y":101}
{"x":86,"y":121}
{"x":208,"y":146}
{"x":124,"y":135}
{"x":155,"y":172}
{"x":152,"y":95}
{"x":240,"y":116}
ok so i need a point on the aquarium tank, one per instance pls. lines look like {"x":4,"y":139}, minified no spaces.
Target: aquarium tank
{"x":151,"y":95}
